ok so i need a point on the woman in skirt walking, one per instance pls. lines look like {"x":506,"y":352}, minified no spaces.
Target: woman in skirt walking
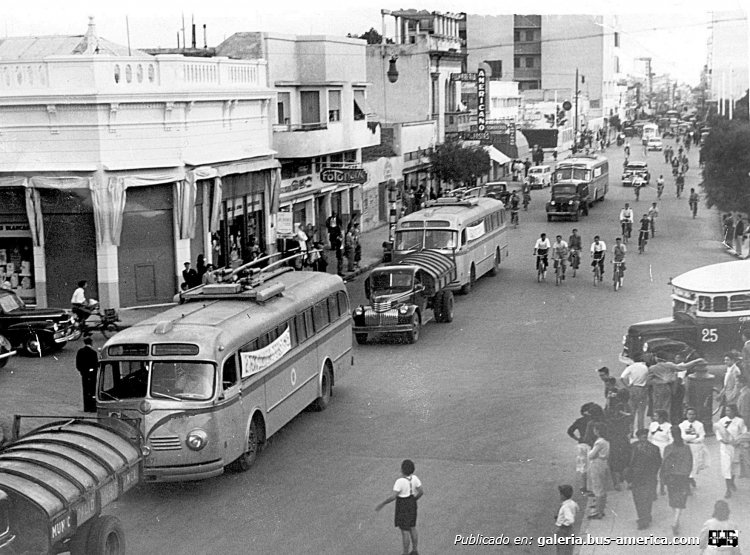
{"x":406,"y":491}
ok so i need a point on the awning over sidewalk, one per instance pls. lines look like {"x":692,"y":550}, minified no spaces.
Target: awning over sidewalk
{"x":496,"y":155}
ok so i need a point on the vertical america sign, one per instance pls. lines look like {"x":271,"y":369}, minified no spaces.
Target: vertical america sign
{"x":481,"y":101}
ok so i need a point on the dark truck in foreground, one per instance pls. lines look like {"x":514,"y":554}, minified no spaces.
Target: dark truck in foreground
{"x":401,"y":294}
{"x":569,"y":199}
{"x":55,"y":481}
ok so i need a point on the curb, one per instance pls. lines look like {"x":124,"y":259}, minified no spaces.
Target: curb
{"x":361,"y":270}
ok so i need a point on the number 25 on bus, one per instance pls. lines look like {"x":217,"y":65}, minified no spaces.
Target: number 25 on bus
{"x":209,"y":381}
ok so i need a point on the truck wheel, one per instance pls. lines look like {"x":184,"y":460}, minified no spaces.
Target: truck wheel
{"x":361,"y":338}
{"x":106,"y":537}
{"x":252,"y":449}
{"x":412,"y":336}
{"x":549,"y":218}
{"x":444,"y":307}
{"x":33,"y":345}
{"x":326,"y":390}
{"x":495,"y":263}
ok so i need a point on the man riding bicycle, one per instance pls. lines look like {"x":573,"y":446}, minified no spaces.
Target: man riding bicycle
{"x":574,"y":245}
{"x":638,"y":182}
{"x":513,"y":201}
{"x":618,"y":253}
{"x":693,"y":202}
{"x":598,"y":252}
{"x":560,"y":253}
{"x":659,"y":186}
{"x":626,"y":220}
{"x":643,"y":231}
{"x":653,"y":212}
{"x":541,"y":248}
{"x":680,"y":183}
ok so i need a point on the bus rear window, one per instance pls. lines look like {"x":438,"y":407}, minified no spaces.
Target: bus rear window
{"x":739,"y":302}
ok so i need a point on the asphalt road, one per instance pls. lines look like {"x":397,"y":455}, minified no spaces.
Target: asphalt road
{"x":481,"y":405}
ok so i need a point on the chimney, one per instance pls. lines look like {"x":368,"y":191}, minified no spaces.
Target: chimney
{"x":205,"y":39}
{"x":90,"y":42}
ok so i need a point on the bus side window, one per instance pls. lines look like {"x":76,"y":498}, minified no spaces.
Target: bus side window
{"x":704,"y":303}
{"x":463,"y":237}
{"x":502,"y":217}
{"x":720,"y":304}
{"x":229,"y":373}
{"x":343,"y":304}
{"x":289,"y":324}
{"x":333,"y":308}
{"x":309,"y":322}
{"x":739,"y":302}
{"x":299,"y":326}
{"x":320,"y":316}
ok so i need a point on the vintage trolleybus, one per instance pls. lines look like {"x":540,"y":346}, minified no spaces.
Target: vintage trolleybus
{"x":473,"y":232}
{"x":592,"y":170}
{"x":210,"y":380}
{"x":710,"y":309}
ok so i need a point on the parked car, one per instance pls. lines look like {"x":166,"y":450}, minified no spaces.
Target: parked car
{"x":569,"y":199}
{"x":540,"y":176}
{"x":655,"y":143}
{"x":497,"y":190}
{"x":633,"y":169}
{"x":35,"y":330}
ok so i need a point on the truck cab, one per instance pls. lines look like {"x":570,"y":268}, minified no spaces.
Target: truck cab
{"x":569,"y":199}
{"x":401,"y":295}
{"x":710,"y":309}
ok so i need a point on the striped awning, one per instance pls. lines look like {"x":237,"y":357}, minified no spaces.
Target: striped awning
{"x":435,"y":263}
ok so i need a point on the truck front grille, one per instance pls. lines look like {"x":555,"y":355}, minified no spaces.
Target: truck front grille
{"x":375,"y":318}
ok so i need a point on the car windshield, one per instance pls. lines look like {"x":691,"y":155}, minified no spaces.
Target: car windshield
{"x":565,"y":190}
{"x":391,"y":281}
{"x":495,"y":189}
{"x":635,"y":168}
{"x":9,"y":303}
{"x":182,"y":380}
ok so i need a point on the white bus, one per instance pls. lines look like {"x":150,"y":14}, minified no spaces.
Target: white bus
{"x":209,"y":381}
{"x":650,"y":131}
{"x":471,"y":231}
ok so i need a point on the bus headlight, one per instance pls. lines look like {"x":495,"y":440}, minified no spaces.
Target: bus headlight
{"x":196,"y":440}
{"x":552,"y":202}
{"x":146,"y":450}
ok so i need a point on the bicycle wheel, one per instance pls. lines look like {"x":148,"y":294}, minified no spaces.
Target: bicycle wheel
{"x":596,"y":275}
{"x":558,"y":275}
{"x":615,"y":283}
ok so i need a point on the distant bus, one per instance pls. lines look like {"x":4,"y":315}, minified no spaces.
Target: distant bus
{"x":650,"y":131}
{"x":471,"y":231}
{"x":209,"y":381}
{"x":593,"y":170}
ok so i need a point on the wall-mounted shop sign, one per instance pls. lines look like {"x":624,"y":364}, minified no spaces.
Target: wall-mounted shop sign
{"x":343,"y":175}
{"x":481,"y":101}
{"x":297,"y":185}
{"x":463,"y":76}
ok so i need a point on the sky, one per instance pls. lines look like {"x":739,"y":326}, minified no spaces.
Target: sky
{"x":671,"y":32}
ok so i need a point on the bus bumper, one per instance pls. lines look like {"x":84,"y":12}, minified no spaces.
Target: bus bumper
{"x":183,"y":473}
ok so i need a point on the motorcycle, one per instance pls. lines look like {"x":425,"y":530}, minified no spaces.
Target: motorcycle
{"x":98,"y":320}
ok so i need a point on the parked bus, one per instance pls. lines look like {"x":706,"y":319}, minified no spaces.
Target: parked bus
{"x":209,"y":381}
{"x":710,"y":309}
{"x":650,"y":131}
{"x":471,"y":231}
{"x":593,"y":170}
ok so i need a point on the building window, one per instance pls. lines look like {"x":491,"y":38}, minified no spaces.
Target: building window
{"x":496,"y":67}
{"x":360,"y":108}
{"x":282,"y":108}
{"x":310,"y":104}
{"x":334,"y":105}
{"x":530,"y":35}
{"x":617,"y":39}
{"x":617,"y":64}
{"x":435,"y":96}
{"x":529,"y":61}
{"x":516,"y":62}
{"x":516,"y":36}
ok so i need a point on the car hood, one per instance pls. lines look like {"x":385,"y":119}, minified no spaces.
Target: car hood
{"x":651,"y":327}
{"x":40,"y":314}
{"x":381,"y":303}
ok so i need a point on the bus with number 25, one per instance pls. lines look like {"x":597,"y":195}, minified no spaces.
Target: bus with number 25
{"x":209,"y":381}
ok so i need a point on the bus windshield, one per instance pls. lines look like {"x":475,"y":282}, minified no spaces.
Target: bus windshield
{"x":129,"y":379}
{"x":581,"y":174}
{"x":425,"y":239}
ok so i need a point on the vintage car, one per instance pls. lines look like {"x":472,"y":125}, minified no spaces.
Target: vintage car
{"x":655,"y":143}
{"x":570,"y":199}
{"x":498,"y":190}
{"x":400,"y":295}
{"x":539,"y":177}
{"x":633,"y":169}
{"x":710,"y":309}
{"x":35,"y":330}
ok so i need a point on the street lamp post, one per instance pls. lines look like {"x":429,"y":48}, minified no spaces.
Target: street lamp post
{"x":392,"y":219}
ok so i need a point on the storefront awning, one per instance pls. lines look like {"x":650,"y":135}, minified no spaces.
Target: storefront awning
{"x":496,"y":155}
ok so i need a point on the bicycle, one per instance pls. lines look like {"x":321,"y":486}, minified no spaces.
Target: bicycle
{"x":694,"y":208}
{"x":627,"y":230}
{"x":526,"y":201}
{"x":559,"y":275}
{"x":642,"y":240}
{"x":541,"y":267}
{"x":598,"y":271}
{"x":514,"y":218}
{"x":652,"y":224}
{"x":618,"y":274}
{"x":575,"y":260}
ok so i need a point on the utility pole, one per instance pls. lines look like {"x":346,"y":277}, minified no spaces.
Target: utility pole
{"x":575,"y":132}
{"x":650,"y":79}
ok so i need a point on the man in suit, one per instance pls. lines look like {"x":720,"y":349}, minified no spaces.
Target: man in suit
{"x":87,"y":361}
{"x":642,"y":473}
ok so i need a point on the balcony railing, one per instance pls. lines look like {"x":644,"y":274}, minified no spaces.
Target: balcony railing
{"x":300,"y":126}
{"x":527,"y":73}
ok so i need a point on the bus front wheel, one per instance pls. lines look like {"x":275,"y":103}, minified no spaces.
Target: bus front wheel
{"x":252,"y":448}
{"x":466,"y":288}
{"x":326,"y":387}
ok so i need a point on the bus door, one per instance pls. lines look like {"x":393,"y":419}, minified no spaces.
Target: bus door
{"x":229,"y":412}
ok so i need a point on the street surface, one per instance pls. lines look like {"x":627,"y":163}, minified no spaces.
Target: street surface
{"x":481,"y":405}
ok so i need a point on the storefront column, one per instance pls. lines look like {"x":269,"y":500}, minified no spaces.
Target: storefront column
{"x":107,"y":274}
{"x":182,"y":255}
{"x":40,"y":277}
{"x":345,"y":210}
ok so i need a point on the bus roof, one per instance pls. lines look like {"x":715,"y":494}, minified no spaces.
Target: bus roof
{"x":232,"y":318}
{"x":455,"y":211}
{"x":726,"y":277}
{"x":588,"y":161}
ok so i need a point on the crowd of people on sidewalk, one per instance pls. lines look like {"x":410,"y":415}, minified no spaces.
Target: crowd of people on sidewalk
{"x":615,"y":447}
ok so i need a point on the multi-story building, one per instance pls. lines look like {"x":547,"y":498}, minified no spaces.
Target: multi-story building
{"x":729,"y":56}
{"x":116,"y":167}
{"x":321,"y":120}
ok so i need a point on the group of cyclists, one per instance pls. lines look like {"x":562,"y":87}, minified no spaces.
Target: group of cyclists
{"x":647,"y":224}
{"x":563,"y":252}
{"x":514,"y":201}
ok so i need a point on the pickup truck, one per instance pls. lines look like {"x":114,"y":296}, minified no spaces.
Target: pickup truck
{"x":568,"y":199}
{"x":400,"y":295}
{"x":55,"y":481}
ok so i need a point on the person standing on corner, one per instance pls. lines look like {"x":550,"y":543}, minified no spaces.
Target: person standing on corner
{"x":728,"y":430}
{"x":643,"y":473}
{"x":693,"y":435}
{"x":566,"y":518}
{"x":333,"y":226}
{"x":674,"y":474}
{"x":599,"y":477}
{"x":746,"y":351}
{"x":406,"y":491}
{"x":635,"y":378}
{"x":87,"y":362}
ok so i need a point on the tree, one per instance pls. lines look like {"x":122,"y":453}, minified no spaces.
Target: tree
{"x":726,"y":156}
{"x":455,"y":163}
{"x":371,"y":36}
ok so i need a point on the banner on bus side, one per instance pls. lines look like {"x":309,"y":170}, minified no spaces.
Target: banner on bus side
{"x":255,"y":361}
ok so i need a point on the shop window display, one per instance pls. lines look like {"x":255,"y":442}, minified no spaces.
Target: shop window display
{"x":17,"y":267}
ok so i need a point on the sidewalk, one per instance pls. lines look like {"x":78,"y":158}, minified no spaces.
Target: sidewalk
{"x":372,"y":254}
{"x":620,"y":515}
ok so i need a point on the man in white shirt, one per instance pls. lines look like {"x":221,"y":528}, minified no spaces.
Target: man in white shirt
{"x":560,"y":253}
{"x":566,"y":517}
{"x":598,"y":252}
{"x":626,"y":220}
{"x":541,"y":248}
{"x":693,"y":434}
{"x":634,"y":377}
{"x":78,"y":302}
{"x":731,"y":390}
